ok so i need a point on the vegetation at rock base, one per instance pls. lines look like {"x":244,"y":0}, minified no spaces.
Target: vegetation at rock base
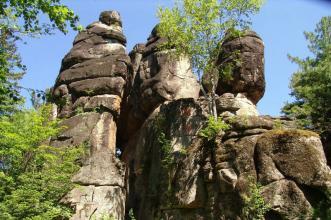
{"x":34,"y":176}
{"x":131,"y":215}
{"x":196,"y":29}
{"x":19,"y":19}
{"x":213,"y":128}
{"x":323,"y":210}
{"x":254,"y":205}
{"x":311,"y":84}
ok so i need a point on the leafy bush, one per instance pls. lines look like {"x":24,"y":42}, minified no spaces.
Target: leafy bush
{"x":255,"y":207}
{"x":131,"y":215}
{"x":166,"y":149}
{"x":213,"y":128}
{"x":34,"y":176}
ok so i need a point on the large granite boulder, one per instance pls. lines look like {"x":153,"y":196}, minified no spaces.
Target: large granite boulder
{"x":245,"y":55}
{"x":175,"y":173}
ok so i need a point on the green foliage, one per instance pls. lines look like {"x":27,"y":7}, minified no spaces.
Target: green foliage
{"x":311,"y":84}
{"x":131,"y":215}
{"x":11,"y":67}
{"x":29,"y":11}
{"x":34,"y":176}
{"x":323,"y":210}
{"x":254,"y":205}
{"x":195,"y":28}
{"x":104,"y":217}
{"x":165,"y":144}
{"x":213,"y":128}
{"x":278,"y":124}
{"x":21,"y":18}
{"x":166,"y":148}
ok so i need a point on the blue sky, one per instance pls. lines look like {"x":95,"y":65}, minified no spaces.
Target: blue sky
{"x":280,"y":24}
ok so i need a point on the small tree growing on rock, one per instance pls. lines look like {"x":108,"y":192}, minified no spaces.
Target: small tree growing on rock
{"x":196,"y":29}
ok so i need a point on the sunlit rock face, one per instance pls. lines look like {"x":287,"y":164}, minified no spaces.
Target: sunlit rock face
{"x":157,"y":77}
{"x":88,"y":93}
{"x":97,"y":65}
{"x":147,"y":104}
{"x":212,"y":179}
{"x":244,"y":56}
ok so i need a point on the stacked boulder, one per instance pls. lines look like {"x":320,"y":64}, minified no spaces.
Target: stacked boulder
{"x":88,"y":93}
{"x":94,"y":72}
{"x":241,"y":67}
{"x":245,"y":55}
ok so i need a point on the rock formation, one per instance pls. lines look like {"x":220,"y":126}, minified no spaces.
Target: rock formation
{"x":89,"y":92}
{"x":243,"y":55}
{"x":147,"y":104}
{"x":157,"y":77}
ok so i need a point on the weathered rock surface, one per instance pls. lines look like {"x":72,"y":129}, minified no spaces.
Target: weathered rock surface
{"x":158,"y":78}
{"x":209,"y":180}
{"x":147,"y":105}
{"x":101,"y":169}
{"x":96,"y":202}
{"x":246,"y":55}
{"x":109,"y":66}
{"x":238,"y":105}
{"x":111,"y":103}
{"x":100,"y":39}
{"x":96,"y":65}
{"x":89,"y":92}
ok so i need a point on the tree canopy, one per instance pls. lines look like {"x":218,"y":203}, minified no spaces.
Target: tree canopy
{"x":21,"y":18}
{"x":196,"y":29}
{"x":33,"y":175}
{"x":311,"y":84}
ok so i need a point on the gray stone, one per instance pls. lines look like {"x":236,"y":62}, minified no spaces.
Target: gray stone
{"x":90,"y":38}
{"x":297,"y":155}
{"x":163,"y":79}
{"x":249,"y":122}
{"x":96,"y":202}
{"x":108,"y":32}
{"x":84,"y":51}
{"x":287,"y":200}
{"x":110,"y":103}
{"x":77,"y":129}
{"x":109,"y":66}
{"x":60,"y":91}
{"x":98,"y":86}
{"x":101,"y":169}
{"x":110,"y":17}
{"x":136,"y":55}
{"x":239,"y":105}
{"x":227,"y":179}
{"x":98,"y":130}
{"x":247,"y":77}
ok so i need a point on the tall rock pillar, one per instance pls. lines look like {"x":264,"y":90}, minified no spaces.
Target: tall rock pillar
{"x":88,"y":93}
